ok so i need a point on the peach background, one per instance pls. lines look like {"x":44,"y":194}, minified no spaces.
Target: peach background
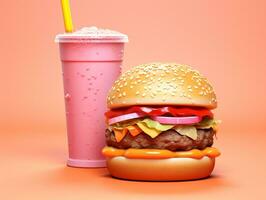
{"x":225,"y":40}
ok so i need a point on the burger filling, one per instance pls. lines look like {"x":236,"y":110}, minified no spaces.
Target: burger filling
{"x":144,"y":131}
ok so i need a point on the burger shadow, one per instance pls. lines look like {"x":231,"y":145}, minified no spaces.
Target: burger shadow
{"x":213,"y":182}
{"x":100,"y":178}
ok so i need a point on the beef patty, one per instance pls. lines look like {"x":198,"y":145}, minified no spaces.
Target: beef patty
{"x":170,"y":140}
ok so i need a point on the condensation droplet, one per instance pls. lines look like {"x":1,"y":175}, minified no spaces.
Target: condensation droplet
{"x":67,"y":97}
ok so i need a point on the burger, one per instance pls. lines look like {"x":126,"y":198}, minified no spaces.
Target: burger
{"x":160,"y":126}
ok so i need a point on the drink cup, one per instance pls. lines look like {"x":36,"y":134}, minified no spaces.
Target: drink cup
{"x":91,"y":62}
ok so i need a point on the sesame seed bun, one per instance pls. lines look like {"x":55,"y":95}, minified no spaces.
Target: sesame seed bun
{"x":162,"y":84}
{"x":171,"y":169}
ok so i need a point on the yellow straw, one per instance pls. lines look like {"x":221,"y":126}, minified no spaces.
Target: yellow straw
{"x":67,"y":16}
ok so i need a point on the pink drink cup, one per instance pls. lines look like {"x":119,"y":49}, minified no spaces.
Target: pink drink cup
{"x":90,"y":66}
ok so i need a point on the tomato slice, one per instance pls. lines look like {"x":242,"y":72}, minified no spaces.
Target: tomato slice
{"x":159,"y":111}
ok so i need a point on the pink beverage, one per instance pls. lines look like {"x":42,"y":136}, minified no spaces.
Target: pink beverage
{"x":91,"y":61}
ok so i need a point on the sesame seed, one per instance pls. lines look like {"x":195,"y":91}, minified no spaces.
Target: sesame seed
{"x":152,"y":76}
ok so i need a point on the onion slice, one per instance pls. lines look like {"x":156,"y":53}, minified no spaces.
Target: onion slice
{"x":124,"y":118}
{"x":177,"y":120}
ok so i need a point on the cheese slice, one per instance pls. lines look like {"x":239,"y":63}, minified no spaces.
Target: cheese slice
{"x":134,"y":130}
{"x":121,"y":133}
{"x":149,"y":131}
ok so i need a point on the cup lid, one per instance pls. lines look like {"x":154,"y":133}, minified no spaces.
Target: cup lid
{"x":92,"y":34}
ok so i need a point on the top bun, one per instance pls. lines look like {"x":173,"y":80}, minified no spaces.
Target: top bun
{"x":161,"y":84}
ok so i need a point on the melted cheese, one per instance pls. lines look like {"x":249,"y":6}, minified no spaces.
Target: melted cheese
{"x":160,"y":153}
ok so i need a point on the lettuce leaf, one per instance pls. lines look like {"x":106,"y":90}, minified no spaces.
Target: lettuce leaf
{"x":153,"y":128}
{"x":185,"y":130}
{"x":157,"y":125}
{"x":207,"y":123}
{"x":121,"y":125}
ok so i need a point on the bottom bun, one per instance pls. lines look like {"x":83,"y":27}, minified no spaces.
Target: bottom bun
{"x":171,"y":169}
